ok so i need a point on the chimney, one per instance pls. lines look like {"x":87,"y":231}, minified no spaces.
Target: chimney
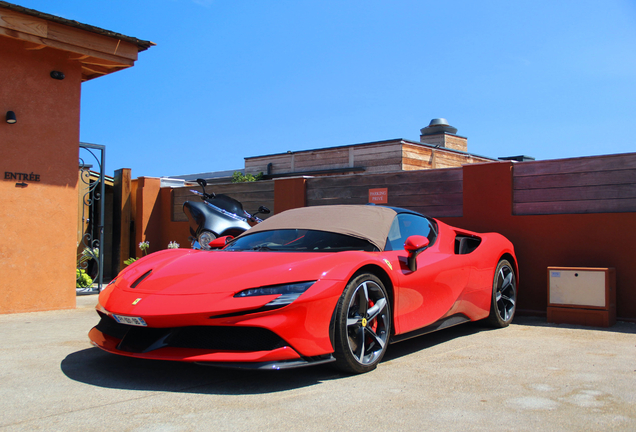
{"x":440,"y":133}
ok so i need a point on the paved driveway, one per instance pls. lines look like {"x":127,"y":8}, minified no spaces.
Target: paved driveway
{"x":529,"y":376}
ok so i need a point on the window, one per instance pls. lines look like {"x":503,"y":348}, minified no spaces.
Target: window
{"x":299,"y":240}
{"x":405,"y":225}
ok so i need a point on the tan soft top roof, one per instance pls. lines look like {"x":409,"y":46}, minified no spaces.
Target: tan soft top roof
{"x":368,"y":222}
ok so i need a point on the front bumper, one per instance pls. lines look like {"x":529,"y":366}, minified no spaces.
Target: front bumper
{"x":235,"y":347}
{"x":218,"y":327}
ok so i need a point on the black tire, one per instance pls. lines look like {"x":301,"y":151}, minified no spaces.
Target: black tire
{"x":504,"y":295}
{"x":363,"y":324}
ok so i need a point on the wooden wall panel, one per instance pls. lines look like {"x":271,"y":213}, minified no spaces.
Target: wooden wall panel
{"x":371,"y":153}
{"x":321,"y":160}
{"x":416,"y":157}
{"x":448,"y":159}
{"x":432,"y":192}
{"x":600,"y":184}
{"x":251,"y":194}
{"x":378,"y":158}
{"x":578,"y":165}
{"x":590,"y":178}
{"x":375,"y":158}
{"x":383,"y":168}
{"x":280,"y":164}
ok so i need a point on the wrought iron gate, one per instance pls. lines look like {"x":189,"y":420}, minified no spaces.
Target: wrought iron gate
{"x":91,"y":224}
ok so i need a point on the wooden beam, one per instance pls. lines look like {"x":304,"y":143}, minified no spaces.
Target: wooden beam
{"x":122,"y":215}
{"x":99,"y":54}
{"x":65,"y":47}
{"x":95,"y":70}
{"x":91,"y":41}
{"x":23,"y":23}
{"x":33,"y":47}
{"x":89,"y":74}
{"x":101,"y":62}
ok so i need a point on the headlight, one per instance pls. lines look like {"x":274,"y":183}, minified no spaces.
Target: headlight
{"x":287,"y":292}
{"x":205,"y":238}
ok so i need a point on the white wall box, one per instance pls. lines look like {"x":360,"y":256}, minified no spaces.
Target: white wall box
{"x":581,"y":295}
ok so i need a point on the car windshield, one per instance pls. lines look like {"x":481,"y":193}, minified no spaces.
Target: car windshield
{"x":299,"y":240}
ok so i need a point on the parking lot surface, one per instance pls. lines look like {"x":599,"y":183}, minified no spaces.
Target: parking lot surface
{"x":529,"y":376}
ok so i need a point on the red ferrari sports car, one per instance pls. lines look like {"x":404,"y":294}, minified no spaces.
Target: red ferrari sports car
{"x":307,"y":286}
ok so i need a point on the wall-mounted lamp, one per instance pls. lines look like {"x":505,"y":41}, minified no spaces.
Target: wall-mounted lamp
{"x":57,"y":75}
{"x":11,"y":117}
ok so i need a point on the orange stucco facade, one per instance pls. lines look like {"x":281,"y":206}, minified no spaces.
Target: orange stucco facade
{"x":35,"y":221}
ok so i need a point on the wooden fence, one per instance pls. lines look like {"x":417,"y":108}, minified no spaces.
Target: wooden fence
{"x":435,"y":193}
{"x":600,"y":184}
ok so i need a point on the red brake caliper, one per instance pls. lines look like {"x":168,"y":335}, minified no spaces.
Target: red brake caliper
{"x":374,"y":324}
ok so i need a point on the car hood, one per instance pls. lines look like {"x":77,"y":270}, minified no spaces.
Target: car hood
{"x":189,"y":272}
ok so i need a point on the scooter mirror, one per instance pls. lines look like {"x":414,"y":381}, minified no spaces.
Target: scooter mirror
{"x":202,"y":182}
{"x":263,"y":210}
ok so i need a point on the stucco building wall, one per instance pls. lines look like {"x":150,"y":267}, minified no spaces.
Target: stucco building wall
{"x":43,"y":61}
{"x":38,"y":222}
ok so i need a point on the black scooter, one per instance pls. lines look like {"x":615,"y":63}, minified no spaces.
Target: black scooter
{"x":217,"y":216}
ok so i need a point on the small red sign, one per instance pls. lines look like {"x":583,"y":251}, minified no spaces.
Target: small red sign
{"x":379,"y":196}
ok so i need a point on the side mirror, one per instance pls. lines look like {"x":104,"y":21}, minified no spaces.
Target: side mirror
{"x":263,"y":210}
{"x":220,"y":242}
{"x":203,"y":183}
{"x":415,"y":245}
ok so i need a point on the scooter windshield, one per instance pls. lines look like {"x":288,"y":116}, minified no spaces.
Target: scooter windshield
{"x":228,"y":204}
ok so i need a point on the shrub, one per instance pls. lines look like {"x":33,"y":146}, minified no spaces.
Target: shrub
{"x":82,"y":279}
{"x":239,"y":177}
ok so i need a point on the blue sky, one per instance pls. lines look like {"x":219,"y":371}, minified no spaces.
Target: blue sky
{"x":230,"y":79}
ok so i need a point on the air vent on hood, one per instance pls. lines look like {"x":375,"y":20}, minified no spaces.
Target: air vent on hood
{"x":141,"y":278}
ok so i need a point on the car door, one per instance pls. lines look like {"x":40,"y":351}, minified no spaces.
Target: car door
{"x":432,"y":291}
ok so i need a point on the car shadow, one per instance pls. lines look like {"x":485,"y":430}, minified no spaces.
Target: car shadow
{"x":95,"y":367}
{"x":429,"y":340}
{"x":619,"y":327}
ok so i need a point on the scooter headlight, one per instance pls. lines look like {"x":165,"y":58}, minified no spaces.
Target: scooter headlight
{"x":205,"y":238}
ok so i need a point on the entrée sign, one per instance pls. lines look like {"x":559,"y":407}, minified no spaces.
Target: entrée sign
{"x":21,"y":176}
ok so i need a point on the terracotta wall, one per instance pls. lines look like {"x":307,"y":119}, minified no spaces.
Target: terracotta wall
{"x":172,"y":231}
{"x":37,"y":263}
{"x":568,"y":240}
{"x":152,"y":218}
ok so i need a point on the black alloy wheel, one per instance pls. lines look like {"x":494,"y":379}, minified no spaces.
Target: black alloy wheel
{"x":363,"y":324}
{"x":504,"y":295}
